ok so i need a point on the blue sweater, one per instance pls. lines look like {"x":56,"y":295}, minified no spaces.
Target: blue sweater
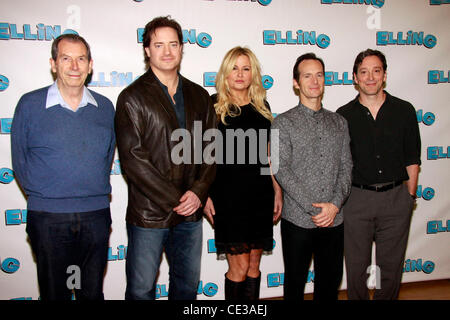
{"x":62,"y":159}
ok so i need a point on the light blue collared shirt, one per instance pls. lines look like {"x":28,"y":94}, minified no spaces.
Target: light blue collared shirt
{"x":54,"y":98}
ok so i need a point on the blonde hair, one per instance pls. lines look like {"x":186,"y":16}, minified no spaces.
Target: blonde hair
{"x":256,"y":92}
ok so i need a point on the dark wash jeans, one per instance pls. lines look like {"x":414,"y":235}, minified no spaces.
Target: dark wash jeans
{"x":299,"y":246}
{"x":183,"y":246}
{"x":71,"y":252}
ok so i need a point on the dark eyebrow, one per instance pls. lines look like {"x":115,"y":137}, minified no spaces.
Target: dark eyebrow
{"x":170,"y":42}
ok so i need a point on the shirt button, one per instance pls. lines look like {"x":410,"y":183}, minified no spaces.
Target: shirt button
{"x":380,"y":171}
{"x":378,"y":156}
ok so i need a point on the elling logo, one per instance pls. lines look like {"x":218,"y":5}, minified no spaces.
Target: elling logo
{"x":4,"y":83}
{"x":300,"y":37}
{"x":5,"y":125}
{"x":10,"y":31}
{"x":438,"y":76}
{"x":9,"y":265}
{"x":385,"y":38}
{"x":202,"y":39}
{"x":439,"y":2}
{"x":419,"y":266}
{"x":375,"y":3}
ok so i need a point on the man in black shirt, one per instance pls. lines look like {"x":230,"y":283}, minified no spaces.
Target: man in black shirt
{"x":385,"y":146}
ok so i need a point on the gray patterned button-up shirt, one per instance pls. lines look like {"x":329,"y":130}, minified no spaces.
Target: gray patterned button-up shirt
{"x":315,"y":162}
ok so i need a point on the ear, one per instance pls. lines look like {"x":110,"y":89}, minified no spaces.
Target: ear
{"x":355,"y":80}
{"x":295,"y":84}
{"x":147,"y":51}
{"x":91,"y":64}
{"x":52,"y":65}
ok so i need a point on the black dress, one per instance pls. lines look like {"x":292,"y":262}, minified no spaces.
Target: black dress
{"x":243,"y":198}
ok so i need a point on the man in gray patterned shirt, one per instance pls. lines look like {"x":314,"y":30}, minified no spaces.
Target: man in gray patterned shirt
{"x":315,"y":167}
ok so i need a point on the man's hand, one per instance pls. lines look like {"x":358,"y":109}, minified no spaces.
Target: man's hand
{"x":209,"y":211}
{"x":278,"y":205}
{"x":189,"y":203}
{"x":326,"y":217}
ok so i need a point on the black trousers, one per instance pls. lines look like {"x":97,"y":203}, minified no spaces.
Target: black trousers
{"x":299,"y":246}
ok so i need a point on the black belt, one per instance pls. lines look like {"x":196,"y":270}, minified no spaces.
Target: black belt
{"x":381,"y":188}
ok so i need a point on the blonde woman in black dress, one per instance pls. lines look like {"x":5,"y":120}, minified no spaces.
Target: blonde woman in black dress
{"x":243,"y":202}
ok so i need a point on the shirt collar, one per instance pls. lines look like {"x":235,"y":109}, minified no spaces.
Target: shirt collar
{"x":387,"y":99}
{"x":309,"y":111}
{"x":54,"y":98}
{"x":166,"y":90}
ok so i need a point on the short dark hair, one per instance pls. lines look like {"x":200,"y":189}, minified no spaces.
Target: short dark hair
{"x":306,"y":56}
{"x":72,"y":38}
{"x":160,"y":22}
{"x":367,"y":53}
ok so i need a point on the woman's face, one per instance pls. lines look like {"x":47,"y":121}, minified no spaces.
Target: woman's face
{"x":240,"y":77}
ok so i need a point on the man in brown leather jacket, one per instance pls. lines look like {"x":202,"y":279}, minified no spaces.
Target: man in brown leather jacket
{"x":164,"y":196}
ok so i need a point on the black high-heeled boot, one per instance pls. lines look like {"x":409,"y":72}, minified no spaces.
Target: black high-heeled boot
{"x":234,"y":290}
{"x":251,"y":288}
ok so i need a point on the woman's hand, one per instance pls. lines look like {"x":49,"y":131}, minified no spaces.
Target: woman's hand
{"x":278,"y":205}
{"x":209,"y":211}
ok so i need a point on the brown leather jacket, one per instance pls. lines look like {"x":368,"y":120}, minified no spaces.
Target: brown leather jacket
{"x":144,"y":122}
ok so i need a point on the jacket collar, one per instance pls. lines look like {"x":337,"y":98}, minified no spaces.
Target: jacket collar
{"x":149,"y":78}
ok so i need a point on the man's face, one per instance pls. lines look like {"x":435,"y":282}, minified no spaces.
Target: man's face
{"x":165,"y":50}
{"x":71,"y":65}
{"x":370,"y":76}
{"x":311,"y":79}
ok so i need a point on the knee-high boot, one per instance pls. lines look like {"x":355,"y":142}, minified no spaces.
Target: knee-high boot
{"x":251,"y":289}
{"x":234,"y":290}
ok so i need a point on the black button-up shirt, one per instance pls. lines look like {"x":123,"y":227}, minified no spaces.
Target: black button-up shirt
{"x":382,"y":148}
{"x":178,"y":106}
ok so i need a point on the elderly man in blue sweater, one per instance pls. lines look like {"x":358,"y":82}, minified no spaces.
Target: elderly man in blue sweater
{"x":62,"y":140}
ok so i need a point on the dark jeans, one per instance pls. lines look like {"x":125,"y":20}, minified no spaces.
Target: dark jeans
{"x":71,"y":252}
{"x":299,"y":245}
{"x":183,"y":246}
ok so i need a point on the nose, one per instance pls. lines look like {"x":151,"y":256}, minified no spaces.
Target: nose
{"x":167,"y":49}
{"x":74,"y":64}
{"x":315,"y":80}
